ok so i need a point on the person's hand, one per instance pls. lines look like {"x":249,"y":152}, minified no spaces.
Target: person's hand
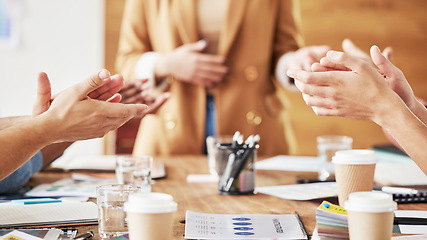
{"x":138,"y":91}
{"x":106,"y":92}
{"x":394,"y":78}
{"x":134,"y":91}
{"x":188,"y":64}
{"x":304,"y":57}
{"x":350,"y":48}
{"x":73,"y":115}
{"x":359,"y":93}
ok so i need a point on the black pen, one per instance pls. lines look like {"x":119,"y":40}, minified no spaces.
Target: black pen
{"x":410,"y":221}
{"x":85,"y":236}
{"x":237,"y":141}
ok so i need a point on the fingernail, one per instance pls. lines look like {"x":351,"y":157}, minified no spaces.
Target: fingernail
{"x":202,"y":41}
{"x":333,"y":54}
{"x":104,"y":74}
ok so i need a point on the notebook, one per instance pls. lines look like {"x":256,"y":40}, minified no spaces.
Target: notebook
{"x":50,"y":214}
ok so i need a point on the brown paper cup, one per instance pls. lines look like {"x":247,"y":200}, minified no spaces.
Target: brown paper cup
{"x":354,"y":171}
{"x":370,"y":215}
{"x":353,"y":178}
{"x":150,"y":216}
{"x":148,"y":226}
{"x":370,"y":225}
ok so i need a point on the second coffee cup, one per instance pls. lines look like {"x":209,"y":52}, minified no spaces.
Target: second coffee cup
{"x":370,"y":215}
{"x":150,"y":216}
{"x":354,"y":171}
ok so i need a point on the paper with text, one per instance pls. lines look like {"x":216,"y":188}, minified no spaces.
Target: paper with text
{"x":243,"y":226}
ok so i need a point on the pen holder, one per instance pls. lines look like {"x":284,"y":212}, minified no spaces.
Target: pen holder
{"x":237,"y":167}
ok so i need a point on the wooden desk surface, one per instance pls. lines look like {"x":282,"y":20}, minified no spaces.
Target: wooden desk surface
{"x":204,"y":197}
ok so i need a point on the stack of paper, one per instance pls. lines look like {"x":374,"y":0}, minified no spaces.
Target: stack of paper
{"x":331,"y":221}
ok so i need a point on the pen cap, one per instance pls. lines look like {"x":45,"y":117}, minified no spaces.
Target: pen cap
{"x":354,"y":157}
{"x":375,"y":202}
{"x":150,"y":203}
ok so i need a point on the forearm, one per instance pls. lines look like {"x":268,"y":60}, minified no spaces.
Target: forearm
{"x":53,"y":151}
{"x":410,"y":132}
{"x":20,"y":142}
{"x":420,"y":111}
{"x":10,"y":121}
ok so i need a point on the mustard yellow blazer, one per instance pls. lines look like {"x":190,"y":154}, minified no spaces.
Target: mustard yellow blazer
{"x":255,"y":34}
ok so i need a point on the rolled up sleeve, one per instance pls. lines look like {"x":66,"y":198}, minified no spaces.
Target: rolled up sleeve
{"x":21,"y":176}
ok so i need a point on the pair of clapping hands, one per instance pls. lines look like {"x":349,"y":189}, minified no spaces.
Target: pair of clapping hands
{"x":353,"y":84}
{"x":93,"y":107}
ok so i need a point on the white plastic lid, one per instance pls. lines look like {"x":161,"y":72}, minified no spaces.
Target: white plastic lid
{"x":370,"y":202}
{"x":354,"y":156}
{"x":150,"y":203}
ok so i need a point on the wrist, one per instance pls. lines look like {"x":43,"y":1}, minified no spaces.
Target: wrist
{"x":391,"y":113}
{"x":162,"y":66}
{"x":417,"y":107}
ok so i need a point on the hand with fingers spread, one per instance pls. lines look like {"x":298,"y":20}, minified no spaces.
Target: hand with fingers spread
{"x":107,"y":92}
{"x":73,"y":115}
{"x":188,"y":64}
{"x":89,"y":109}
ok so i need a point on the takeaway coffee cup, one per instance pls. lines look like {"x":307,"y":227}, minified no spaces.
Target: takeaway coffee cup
{"x":370,"y":215}
{"x":150,"y":216}
{"x":354,"y":171}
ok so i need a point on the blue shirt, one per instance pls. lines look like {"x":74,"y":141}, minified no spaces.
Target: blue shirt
{"x":21,"y":176}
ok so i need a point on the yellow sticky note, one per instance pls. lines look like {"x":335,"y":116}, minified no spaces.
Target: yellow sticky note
{"x":329,"y":207}
{"x":12,"y":237}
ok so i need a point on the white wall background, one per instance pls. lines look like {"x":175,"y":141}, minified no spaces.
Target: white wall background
{"x":65,"y":39}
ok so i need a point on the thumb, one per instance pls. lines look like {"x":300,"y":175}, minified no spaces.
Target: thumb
{"x":43,"y":94}
{"x":383,"y":64}
{"x":92,"y":83}
{"x":197,"y":46}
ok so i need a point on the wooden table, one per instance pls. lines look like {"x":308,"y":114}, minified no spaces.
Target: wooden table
{"x":204,"y":197}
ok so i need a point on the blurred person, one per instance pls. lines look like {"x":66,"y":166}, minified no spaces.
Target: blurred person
{"x":225,"y":82}
{"x":75,"y":114}
{"x":343,"y":85}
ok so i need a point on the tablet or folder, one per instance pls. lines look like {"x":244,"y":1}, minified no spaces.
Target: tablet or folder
{"x":48,"y":214}
{"x":101,"y":163}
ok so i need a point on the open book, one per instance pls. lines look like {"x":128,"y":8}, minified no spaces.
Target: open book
{"x":48,"y":215}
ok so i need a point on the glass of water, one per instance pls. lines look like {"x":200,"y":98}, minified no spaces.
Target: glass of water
{"x":212,"y":145}
{"x":134,"y":170}
{"x":110,"y":201}
{"x":327,"y":146}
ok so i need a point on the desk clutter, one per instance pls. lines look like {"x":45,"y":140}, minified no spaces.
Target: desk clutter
{"x":236,"y":167}
{"x":40,"y":233}
{"x":331,"y":221}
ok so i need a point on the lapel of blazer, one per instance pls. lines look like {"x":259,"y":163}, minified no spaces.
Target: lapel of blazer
{"x":186,"y":20}
{"x":231,"y":25}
